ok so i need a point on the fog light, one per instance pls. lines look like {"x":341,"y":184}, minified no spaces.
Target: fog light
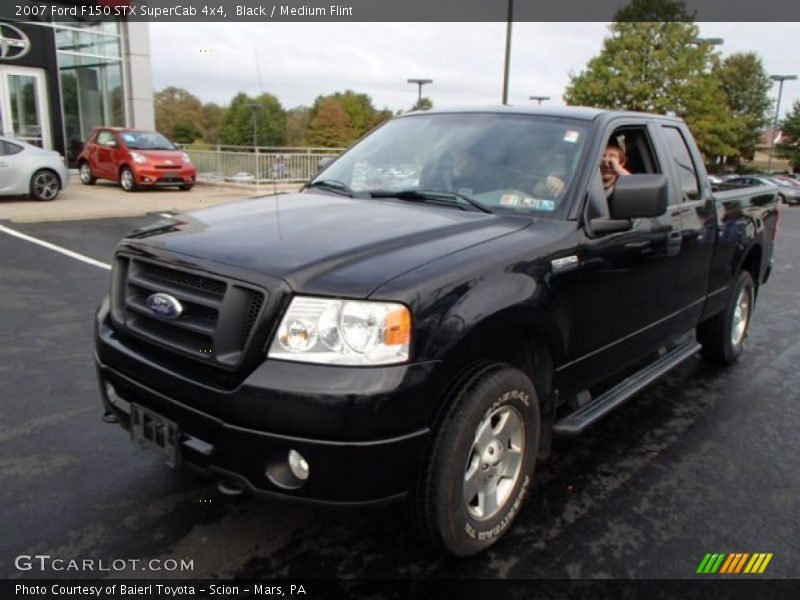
{"x":298,"y":465}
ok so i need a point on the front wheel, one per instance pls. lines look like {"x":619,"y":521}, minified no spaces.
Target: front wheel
{"x":126,"y":180}
{"x":45,"y":185}
{"x":472,"y":485}
{"x":723,"y":336}
{"x":87,"y":178}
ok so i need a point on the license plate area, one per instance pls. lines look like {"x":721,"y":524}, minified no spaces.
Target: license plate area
{"x":156,"y":434}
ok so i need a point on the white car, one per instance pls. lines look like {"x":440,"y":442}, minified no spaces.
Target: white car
{"x":27,"y":170}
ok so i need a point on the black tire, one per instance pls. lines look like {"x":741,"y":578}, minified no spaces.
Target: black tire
{"x":45,"y":185}
{"x":127,"y":180}
{"x":186,"y":187}
{"x":439,"y":507}
{"x":86,"y":175}
{"x":717,"y":335}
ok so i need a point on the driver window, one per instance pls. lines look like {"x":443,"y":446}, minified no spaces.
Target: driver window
{"x":105,"y":138}
{"x":635,"y":141}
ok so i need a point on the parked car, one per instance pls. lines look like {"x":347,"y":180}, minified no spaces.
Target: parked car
{"x":788,"y":193}
{"x":241,"y":177}
{"x":421,"y":338}
{"x":27,"y":170}
{"x":136,"y":159}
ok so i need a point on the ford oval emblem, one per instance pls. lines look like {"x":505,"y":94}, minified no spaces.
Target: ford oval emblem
{"x":164,"y":306}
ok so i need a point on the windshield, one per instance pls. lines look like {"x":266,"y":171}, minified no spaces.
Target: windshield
{"x":146,"y":140}
{"x":520,"y":163}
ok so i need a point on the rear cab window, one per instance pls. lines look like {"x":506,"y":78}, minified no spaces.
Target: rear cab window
{"x":682,"y":163}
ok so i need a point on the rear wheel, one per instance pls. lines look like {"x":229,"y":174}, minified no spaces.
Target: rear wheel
{"x":126,"y":180}
{"x":86,"y":174}
{"x":724,"y":335}
{"x":472,"y":485}
{"x":45,"y":185}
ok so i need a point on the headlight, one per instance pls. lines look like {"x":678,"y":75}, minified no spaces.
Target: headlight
{"x":138,"y":158}
{"x":186,"y":158}
{"x":343,"y":332}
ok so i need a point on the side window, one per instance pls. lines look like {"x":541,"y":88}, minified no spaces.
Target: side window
{"x":104,"y":137}
{"x":639,"y":154}
{"x":7,"y":148}
{"x":687,"y":174}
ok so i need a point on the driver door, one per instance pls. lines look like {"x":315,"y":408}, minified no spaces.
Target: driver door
{"x":622,"y":295}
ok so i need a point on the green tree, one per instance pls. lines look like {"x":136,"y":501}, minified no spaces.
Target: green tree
{"x":654,"y":10}
{"x":236,"y":127}
{"x":359,"y":109}
{"x":186,"y":130}
{"x":789,"y":146}
{"x":331,"y":127}
{"x":423,"y":103}
{"x":297,"y":121}
{"x":746,"y":85}
{"x":178,"y":114}
{"x":657,"y":67}
{"x":212,"y":120}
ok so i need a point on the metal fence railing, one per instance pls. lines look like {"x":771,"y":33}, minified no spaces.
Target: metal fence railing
{"x":245,"y":164}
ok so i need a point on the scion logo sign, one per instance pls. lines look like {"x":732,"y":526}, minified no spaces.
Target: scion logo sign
{"x":13,"y":42}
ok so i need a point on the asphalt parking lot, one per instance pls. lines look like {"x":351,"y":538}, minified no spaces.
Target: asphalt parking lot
{"x":707,"y":460}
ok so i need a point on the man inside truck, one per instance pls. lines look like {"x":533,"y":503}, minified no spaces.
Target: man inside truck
{"x":612,"y":167}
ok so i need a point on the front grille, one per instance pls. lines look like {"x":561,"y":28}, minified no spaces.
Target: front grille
{"x":218,"y":315}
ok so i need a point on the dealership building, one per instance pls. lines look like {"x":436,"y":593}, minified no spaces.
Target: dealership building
{"x":58,"y":80}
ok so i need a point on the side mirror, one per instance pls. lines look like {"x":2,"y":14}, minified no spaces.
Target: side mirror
{"x":324,"y":162}
{"x":638,"y":197}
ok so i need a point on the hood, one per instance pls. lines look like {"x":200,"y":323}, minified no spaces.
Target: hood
{"x":325,"y":244}
{"x":161,"y":156}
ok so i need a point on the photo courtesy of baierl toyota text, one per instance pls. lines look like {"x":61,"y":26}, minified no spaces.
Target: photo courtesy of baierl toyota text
{"x":380,"y":300}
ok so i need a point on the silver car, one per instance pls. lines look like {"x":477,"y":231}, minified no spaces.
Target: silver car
{"x":29,"y":170}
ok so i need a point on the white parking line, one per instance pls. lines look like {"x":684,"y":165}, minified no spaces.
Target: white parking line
{"x":50,"y":246}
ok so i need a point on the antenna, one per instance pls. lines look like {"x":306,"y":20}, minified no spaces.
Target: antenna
{"x":258,"y":70}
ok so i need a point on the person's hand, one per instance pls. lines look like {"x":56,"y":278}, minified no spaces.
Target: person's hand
{"x":611,"y":163}
{"x":555,"y":186}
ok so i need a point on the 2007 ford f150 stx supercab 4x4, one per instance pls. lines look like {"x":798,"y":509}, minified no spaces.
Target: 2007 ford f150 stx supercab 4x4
{"x":437,"y":303}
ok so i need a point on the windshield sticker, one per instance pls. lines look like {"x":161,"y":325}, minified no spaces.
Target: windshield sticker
{"x":539,"y":204}
{"x":509,"y":200}
{"x":571,"y":136}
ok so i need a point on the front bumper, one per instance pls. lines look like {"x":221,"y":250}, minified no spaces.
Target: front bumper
{"x":325,"y":413}
{"x":146,"y":175}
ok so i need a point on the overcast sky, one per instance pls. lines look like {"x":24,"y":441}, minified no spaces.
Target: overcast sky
{"x":299,"y":61}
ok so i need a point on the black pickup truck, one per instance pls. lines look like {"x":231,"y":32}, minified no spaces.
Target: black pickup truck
{"x":420,"y":320}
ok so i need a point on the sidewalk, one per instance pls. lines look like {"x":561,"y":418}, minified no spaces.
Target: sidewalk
{"x":105,"y":200}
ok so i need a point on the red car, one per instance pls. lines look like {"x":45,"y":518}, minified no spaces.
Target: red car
{"x":137,"y":159}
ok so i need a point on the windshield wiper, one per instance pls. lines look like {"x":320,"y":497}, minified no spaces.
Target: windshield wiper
{"x":333,"y":185}
{"x":435,"y":196}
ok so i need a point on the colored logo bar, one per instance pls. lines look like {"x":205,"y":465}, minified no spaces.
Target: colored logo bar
{"x":734,"y":563}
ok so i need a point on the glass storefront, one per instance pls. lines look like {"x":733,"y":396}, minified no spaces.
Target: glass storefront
{"x":90,"y":68}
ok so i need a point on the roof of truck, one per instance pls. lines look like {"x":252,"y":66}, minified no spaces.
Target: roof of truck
{"x":585,"y":113}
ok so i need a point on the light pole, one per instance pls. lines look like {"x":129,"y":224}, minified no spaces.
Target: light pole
{"x":255,"y":106}
{"x":540,"y":99}
{"x":508,"y":50}
{"x":420,"y":83}
{"x":780,"y":79}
